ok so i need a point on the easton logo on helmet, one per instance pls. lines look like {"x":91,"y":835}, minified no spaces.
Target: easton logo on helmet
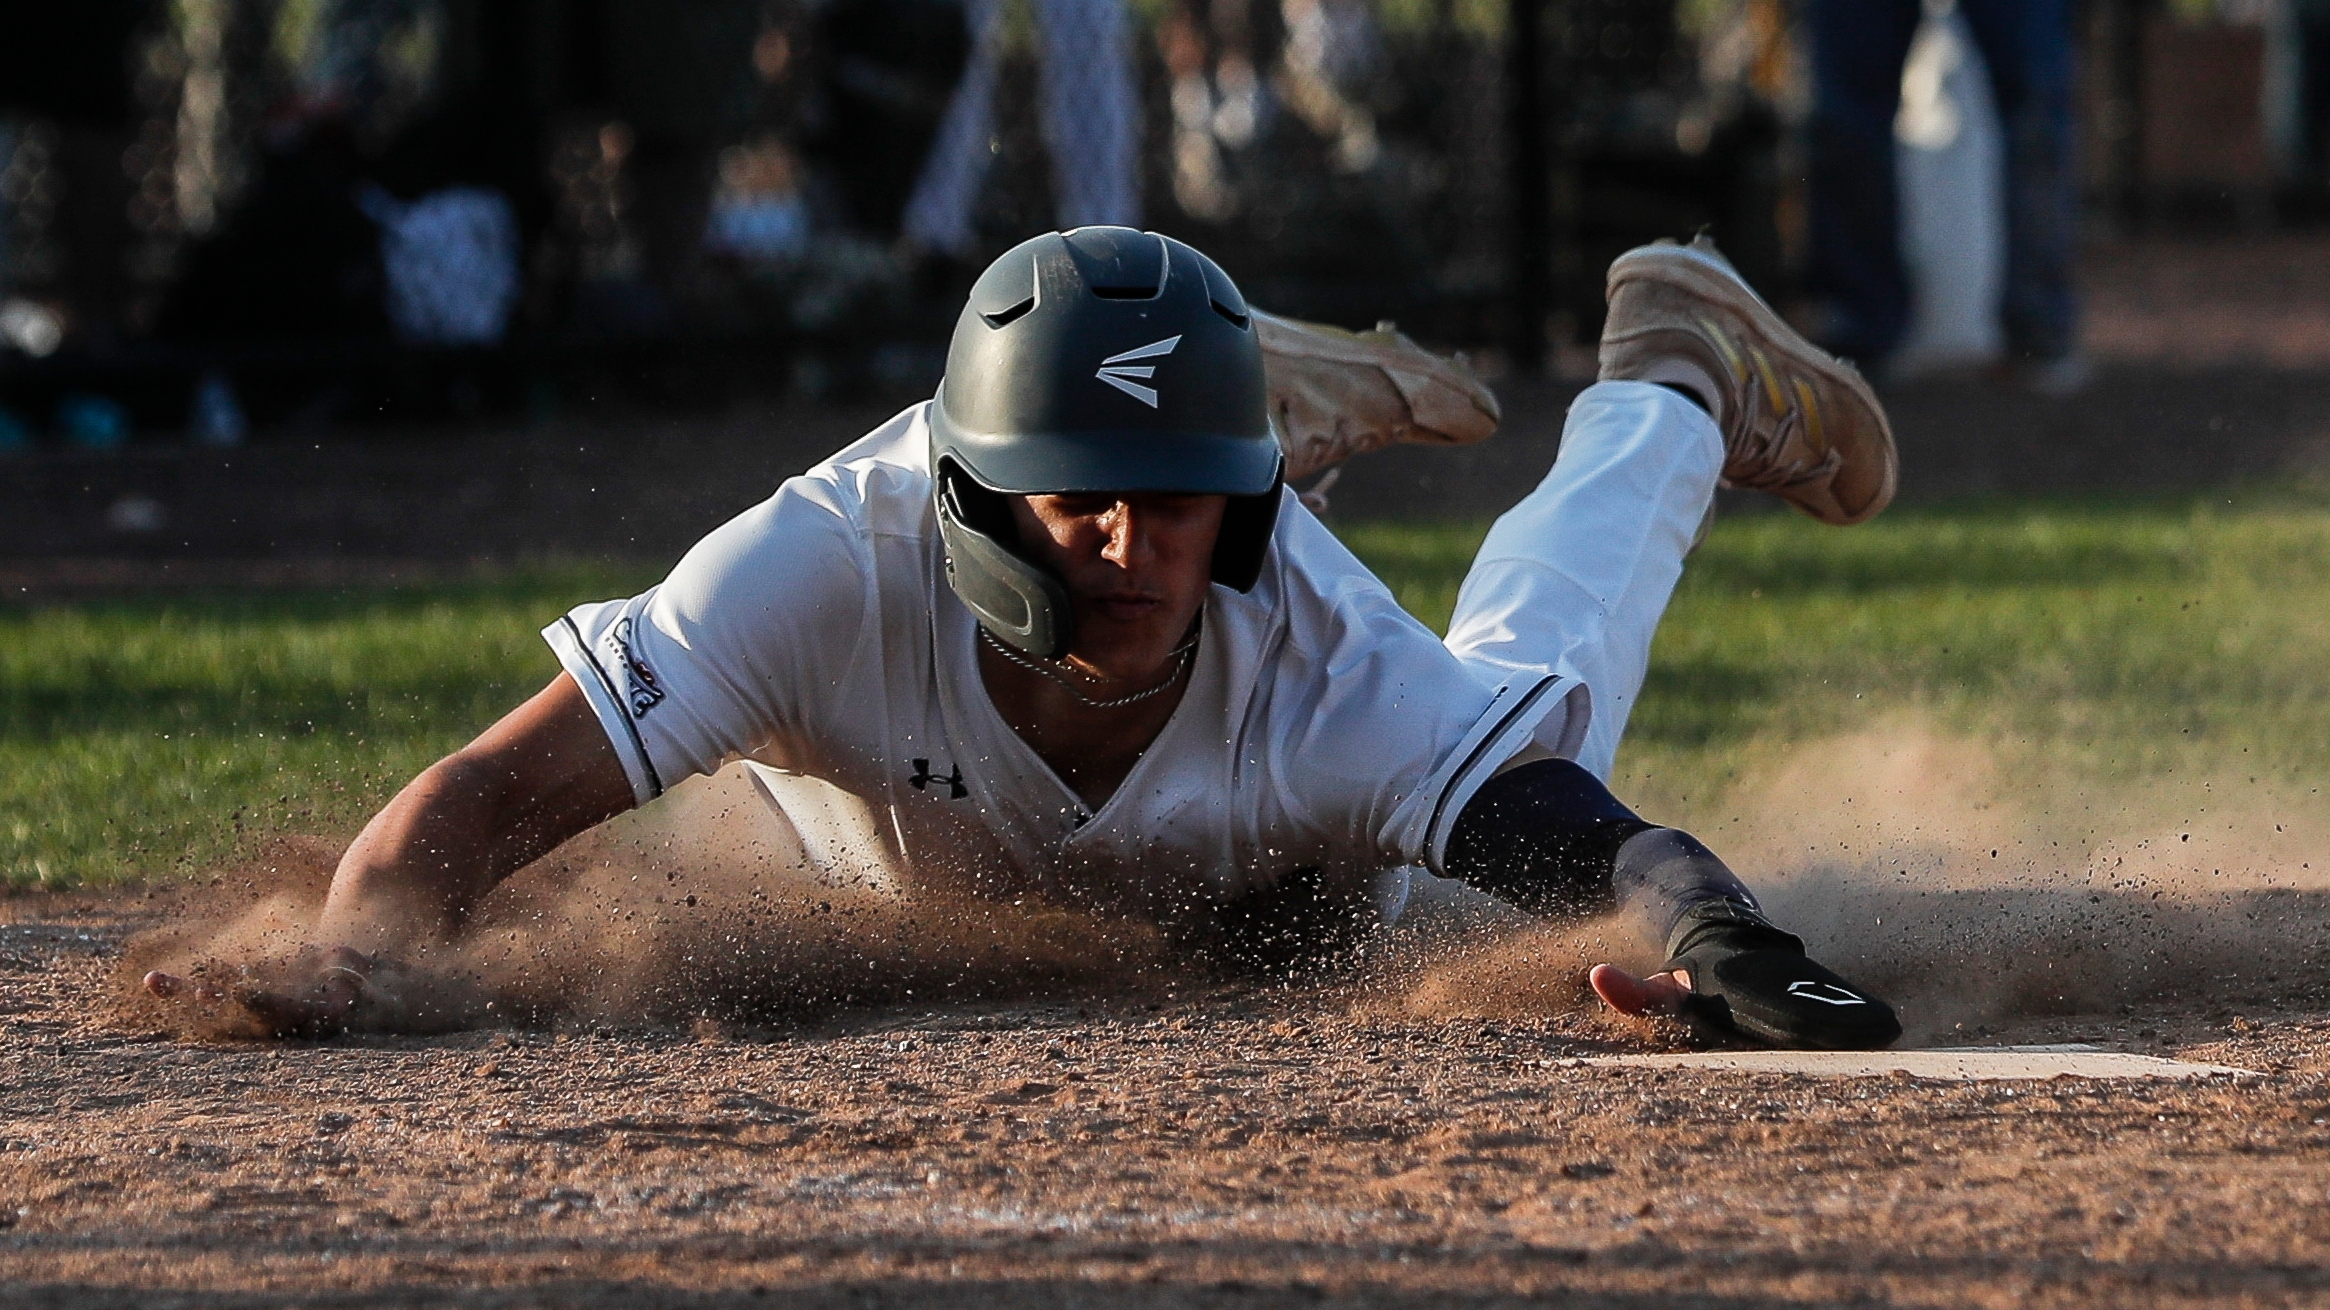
{"x":1117,"y":370}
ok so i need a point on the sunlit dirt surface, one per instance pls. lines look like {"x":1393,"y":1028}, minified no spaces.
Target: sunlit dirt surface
{"x":1247,"y":1146}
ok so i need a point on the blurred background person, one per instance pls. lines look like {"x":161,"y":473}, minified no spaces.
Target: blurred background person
{"x":1854,"y":268}
{"x":1090,"y":117}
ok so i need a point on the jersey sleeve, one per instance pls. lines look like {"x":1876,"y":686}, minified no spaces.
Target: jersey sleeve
{"x":738,"y":651}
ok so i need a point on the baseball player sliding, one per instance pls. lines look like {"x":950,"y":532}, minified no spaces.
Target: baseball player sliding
{"x":1064,"y":633}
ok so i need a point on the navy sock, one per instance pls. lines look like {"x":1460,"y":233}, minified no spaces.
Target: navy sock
{"x":1689,"y":394}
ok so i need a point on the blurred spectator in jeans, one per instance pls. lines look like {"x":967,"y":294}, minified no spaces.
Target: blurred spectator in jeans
{"x":1091,"y":124}
{"x":2312,"y":20}
{"x":1856,"y":271}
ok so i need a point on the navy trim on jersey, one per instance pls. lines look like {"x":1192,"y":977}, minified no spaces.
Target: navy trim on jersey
{"x":1455,"y":780}
{"x":637,"y":743}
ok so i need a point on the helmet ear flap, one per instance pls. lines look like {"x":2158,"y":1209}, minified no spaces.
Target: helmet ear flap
{"x":1247,"y":522}
{"x":1018,"y":602}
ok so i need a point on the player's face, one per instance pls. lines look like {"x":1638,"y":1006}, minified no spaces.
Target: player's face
{"x":1137,"y":567}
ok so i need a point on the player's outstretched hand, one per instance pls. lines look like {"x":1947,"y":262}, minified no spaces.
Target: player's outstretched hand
{"x":314,"y":992}
{"x":1765,"y":995}
{"x":1660,"y":994}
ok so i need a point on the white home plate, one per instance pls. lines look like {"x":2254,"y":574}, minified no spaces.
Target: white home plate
{"x":1949,"y":1064}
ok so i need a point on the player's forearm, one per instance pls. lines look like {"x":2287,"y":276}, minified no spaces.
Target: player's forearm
{"x":422,"y":864}
{"x":539,"y":776}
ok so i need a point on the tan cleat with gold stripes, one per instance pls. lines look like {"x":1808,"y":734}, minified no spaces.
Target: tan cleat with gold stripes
{"x":1335,"y":394}
{"x":1797,"y":422}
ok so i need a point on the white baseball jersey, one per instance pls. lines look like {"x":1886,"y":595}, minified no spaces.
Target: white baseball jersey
{"x":816,"y":635}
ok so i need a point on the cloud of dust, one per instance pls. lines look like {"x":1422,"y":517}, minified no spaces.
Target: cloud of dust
{"x":700,"y":906}
{"x":1940,"y":872}
{"x":1932,"y":868}
{"x":1465,"y":956}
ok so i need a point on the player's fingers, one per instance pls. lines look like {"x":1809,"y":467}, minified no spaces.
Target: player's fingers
{"x":1661,"y":993}
{"x":175,"y":987}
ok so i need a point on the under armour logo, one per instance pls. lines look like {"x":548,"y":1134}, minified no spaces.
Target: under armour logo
{"x":922,"y":778}
{"x":1825,"y":993}
{"x":1116,"y":370}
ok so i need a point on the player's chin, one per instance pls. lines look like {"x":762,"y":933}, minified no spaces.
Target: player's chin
{"x":1124,"y":616}
{"x":1123,"y":639}
{"x":1126,"y":653}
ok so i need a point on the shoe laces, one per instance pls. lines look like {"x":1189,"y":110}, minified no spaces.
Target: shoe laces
{"x":1759,"y":450}
{"x":1771,"y":425}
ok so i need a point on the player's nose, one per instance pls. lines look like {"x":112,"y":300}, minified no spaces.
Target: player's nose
{"x":1128,"y":542}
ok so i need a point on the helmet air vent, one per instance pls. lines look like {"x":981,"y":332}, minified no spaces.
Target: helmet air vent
{"x":1012,"y":313}
{"x":1118,"y":263}
{"x":1224,"y":296}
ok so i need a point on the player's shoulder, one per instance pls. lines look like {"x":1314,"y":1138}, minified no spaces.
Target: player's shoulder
{"x":859,"y":517}
{"x":872,"y":488}
{"x":880,"y":483}
{"x":1314,"y":577}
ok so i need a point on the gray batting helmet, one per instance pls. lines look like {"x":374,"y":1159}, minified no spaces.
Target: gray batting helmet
{"x":1103,"y":359}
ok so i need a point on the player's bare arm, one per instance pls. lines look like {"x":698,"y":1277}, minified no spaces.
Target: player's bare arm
{"x":539,"y":776}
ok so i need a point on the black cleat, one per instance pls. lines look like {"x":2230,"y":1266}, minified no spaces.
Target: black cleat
{"x":1750,"y":981}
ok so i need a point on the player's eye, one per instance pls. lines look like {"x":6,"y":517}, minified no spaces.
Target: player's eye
{"x":1083,"y":506}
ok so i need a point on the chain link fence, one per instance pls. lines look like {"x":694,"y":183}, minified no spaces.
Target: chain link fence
{"x":825,"y":178}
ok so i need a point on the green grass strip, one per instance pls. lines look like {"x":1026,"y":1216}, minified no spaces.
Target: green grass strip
{"x":149,"y":735}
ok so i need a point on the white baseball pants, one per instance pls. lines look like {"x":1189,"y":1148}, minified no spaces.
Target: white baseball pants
{"x":1575,"y":578}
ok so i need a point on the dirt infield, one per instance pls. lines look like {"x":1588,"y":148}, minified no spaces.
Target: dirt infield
{"x":1178,"y":1145}
{"x":998,"y":1110}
